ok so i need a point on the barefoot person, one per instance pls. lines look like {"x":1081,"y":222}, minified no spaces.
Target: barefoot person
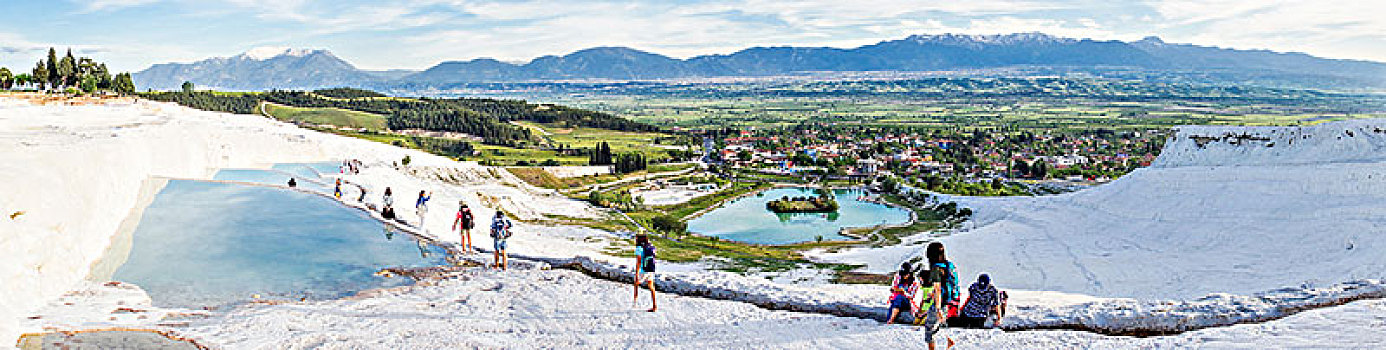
{"x":902,"y":291}
{"x":465,"y":221}
{"x":387,"y":210}
{"x":943,"y":285}
{"x":645,"y":269}
{"x":500,"y":231}
{"x":421,"y":207}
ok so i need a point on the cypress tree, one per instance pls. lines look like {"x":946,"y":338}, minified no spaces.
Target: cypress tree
{"x":53,"y":77}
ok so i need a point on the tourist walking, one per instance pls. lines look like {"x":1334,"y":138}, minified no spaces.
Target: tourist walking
{"x":645,"y":269}
{"x":466,"y":221}
{"x":500,"y":231}
{"x":421,"y":207}
{"x":337,"y":192}
{"x":943,"y":293}
{"x":902,"y":291}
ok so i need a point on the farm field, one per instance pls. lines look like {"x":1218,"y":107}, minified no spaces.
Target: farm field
{"x":326,"y":116}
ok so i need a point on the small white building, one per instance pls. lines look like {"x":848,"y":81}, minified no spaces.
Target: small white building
{"x":868,"y":166}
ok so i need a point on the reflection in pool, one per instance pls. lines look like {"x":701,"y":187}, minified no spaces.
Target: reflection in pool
{"x":747,"y":220}
{"x":211,"y":244}
{"x":272,"y":177}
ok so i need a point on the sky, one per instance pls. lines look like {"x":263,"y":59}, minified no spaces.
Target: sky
{"x":131,"y":35}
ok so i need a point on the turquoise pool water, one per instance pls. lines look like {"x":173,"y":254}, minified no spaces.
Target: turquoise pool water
{"x":208,"y":244}
{"x":274,"y":177}
{"x":747,"y":220}
{"x":310,"y":170}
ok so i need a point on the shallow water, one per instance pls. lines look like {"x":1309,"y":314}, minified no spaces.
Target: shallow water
{"x":747,"y":220}
{"x":207,"y":244}
{"x":272,"y":177}
{"x":311,"y":170}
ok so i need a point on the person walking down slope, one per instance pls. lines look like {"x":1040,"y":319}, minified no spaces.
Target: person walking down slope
{"x":421,"y":207}
{"x":943,"y":293}
{"x":500,"y":231}
{"x":902,"y":291}
{"x":645,"y":269}
{"x":466,"y":221}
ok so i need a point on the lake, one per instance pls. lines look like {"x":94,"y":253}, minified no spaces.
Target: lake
{"x":747,"y":220}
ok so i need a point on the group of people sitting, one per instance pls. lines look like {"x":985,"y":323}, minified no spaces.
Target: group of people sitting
{"x":938,"y":284}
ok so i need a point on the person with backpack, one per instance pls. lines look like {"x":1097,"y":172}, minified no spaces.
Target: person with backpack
{"x":983,"y":302}
{"x":902,"y":291}
{"x":466,"y":222}
{"x":645,"y":269}
{"x":500,"y":231}
{"x":943,"y":293}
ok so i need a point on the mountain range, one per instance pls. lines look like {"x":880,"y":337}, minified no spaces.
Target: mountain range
{"x":263,"y":69}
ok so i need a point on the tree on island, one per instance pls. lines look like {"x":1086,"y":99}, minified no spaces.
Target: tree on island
{"x":822,"y":203}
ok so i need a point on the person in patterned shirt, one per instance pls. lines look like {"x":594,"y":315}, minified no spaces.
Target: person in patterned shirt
{"x":983,"y":302}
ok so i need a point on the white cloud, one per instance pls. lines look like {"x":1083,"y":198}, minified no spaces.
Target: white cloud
{"x":99,"y":5}
{"x":419,"y":33}
{"x":1342,"y":29}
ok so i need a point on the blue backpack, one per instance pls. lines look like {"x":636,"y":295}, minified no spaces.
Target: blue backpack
{"x":949,"y":284}
{"x":648,"y":254}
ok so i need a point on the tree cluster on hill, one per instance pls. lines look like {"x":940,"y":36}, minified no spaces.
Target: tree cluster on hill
{"x":209,"y":101}
{"x":508,"y":110}
{"x":621,"y":200}
{"x":629,"y":163}
{"x":620,"y":163}
{"x":69,"y":72}
{"x":345,"y":92}
{"x":601,"y":155}
{"x":485,"y":118}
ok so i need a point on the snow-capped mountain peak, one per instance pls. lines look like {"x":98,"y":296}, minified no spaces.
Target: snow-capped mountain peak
{"x":267,"y":52}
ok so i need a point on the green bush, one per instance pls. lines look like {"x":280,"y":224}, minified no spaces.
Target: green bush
{"x":669,"y":223}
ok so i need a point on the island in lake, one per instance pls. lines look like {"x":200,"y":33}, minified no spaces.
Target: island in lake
{"x":822,"y":203}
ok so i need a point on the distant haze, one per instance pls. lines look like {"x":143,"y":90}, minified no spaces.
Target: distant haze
{"x":131,"y":35}
{"x":286,"y":68}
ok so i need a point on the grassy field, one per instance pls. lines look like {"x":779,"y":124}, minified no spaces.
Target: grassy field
{"x":326,"y":116}
{"x":1074,"y":114}
{"x":502,"y":155}
{"x":538,"y":177}
{"x":580,"y":137}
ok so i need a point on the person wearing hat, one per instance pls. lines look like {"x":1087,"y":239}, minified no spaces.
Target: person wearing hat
{"x":466,"y":221}
{"x":983,"y":302}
